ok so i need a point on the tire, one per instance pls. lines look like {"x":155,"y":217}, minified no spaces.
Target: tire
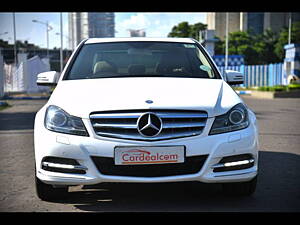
{"x":241,"y":188}
{"x":47,"y":192}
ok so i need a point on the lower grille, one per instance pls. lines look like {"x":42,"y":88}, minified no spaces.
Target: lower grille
{"x":191,"y":165}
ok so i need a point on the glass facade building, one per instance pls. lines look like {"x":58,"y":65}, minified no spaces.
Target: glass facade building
{"x":88,"y":25}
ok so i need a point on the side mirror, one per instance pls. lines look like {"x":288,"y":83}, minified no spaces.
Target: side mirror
{"x":234,"y":77}
{"x":49,"y":78}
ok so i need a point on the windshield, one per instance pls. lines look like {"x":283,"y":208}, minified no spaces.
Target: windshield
{"x":140,"y":59}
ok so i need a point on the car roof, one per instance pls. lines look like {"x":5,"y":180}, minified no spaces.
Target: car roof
{"x":126,"y":39}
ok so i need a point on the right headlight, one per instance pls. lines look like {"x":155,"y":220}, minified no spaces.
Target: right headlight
{"x":235,"y":119}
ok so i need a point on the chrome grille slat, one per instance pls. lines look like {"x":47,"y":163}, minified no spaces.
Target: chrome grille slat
{"x":123,"y":124}
{"x":115,"y":115}
{"x":169,"y":125}
{"x":177,"y":115}
{"x":112,"y":125}
{"x":138,"y":137}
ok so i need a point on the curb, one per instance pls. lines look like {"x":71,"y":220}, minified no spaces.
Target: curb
{"x":272,"y":95}
{"x":244,"y":92}
{"x":26,"y":98}
{"x":2,"y":103}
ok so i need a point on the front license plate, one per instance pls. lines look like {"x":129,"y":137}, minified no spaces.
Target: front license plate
{"x":137,"y":155}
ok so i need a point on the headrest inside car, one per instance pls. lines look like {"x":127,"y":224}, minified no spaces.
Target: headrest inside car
{"x":136,"y":69}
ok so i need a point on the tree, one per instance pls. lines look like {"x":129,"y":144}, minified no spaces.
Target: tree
{"x":4,"y":44}
{"x":184,"y":29}
{"x":219,"y":46}
{"x":196,"y":28}
{"x":265,"y":47}
{"x":19,"y":44}
{"x":181,"y":30}
{"x":242,"y":43}
{"x":256,"y":48}
{"x":283,"y":39}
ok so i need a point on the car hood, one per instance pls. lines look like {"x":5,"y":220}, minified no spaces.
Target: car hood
{"x":81,"y":97}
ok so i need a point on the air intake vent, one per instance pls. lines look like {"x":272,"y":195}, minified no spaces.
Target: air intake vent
{"x":148,"y":125}
{"x":191,"y":165}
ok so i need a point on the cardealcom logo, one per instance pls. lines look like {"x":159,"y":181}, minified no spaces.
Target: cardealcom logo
{"x":137,"y":156}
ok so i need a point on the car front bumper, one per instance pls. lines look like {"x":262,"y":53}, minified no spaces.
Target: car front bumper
{"x":48,"y":143}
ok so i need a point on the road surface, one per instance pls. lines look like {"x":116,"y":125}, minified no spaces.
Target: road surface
{"x":278,"y":188}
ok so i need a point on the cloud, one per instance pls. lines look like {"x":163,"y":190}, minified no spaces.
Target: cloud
{"x":156,"y":24}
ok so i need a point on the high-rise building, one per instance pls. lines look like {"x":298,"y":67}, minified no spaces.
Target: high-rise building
{"x":246,"y":21}
{"x":87,"y":25}
{"x":137,"y":33}
{"x":217,"y":21}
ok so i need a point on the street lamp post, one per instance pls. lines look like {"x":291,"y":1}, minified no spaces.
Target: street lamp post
{"x":15,"y":44}
{"x":290,"y":28}
{"x":61,"y":43}
{"x":48,"y":28}
{"x":69,"y":39}
{"x":226,"y":44}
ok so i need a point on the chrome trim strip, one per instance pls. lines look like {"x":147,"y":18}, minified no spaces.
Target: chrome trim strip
{"x":64,"y":166}
{"x":141,"y":138}
{"x":160,"y":114}
{"x":115,"y":116}
{"x":111,"y":125}
{"x":233,"y":174}
{"x":181,"y":115}
{"x":167,"y":125}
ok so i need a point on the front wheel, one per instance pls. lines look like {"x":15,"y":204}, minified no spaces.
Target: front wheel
{"x":240,"y":188}
{"x":47,"y":192}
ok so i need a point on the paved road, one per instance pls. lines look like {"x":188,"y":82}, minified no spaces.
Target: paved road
{"x":278,"y":183}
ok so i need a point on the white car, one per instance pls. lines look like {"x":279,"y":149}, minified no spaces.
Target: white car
{"x":143,"y":110}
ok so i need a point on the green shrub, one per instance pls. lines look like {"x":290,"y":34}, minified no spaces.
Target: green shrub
{"x":280,"y":87}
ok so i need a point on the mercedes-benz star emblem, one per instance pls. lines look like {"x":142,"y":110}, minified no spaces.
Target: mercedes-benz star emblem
{"x":149,"y":125}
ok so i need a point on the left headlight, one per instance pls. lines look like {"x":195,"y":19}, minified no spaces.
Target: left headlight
{"x":235,"y":119}
{"x":60,"y":121}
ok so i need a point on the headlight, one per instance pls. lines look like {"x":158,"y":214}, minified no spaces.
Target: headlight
{"x":234,"y":119}
{"x":59,"y":121}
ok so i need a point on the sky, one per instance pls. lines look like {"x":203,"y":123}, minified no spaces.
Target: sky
{"x":155,"y":25}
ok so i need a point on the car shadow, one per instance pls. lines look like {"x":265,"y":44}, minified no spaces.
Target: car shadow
{"x":17,"y":121}
{"x":278,"y":189}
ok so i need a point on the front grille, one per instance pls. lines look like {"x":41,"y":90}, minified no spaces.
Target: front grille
{"x":123,"y":124}
{"x":106,"y":166}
